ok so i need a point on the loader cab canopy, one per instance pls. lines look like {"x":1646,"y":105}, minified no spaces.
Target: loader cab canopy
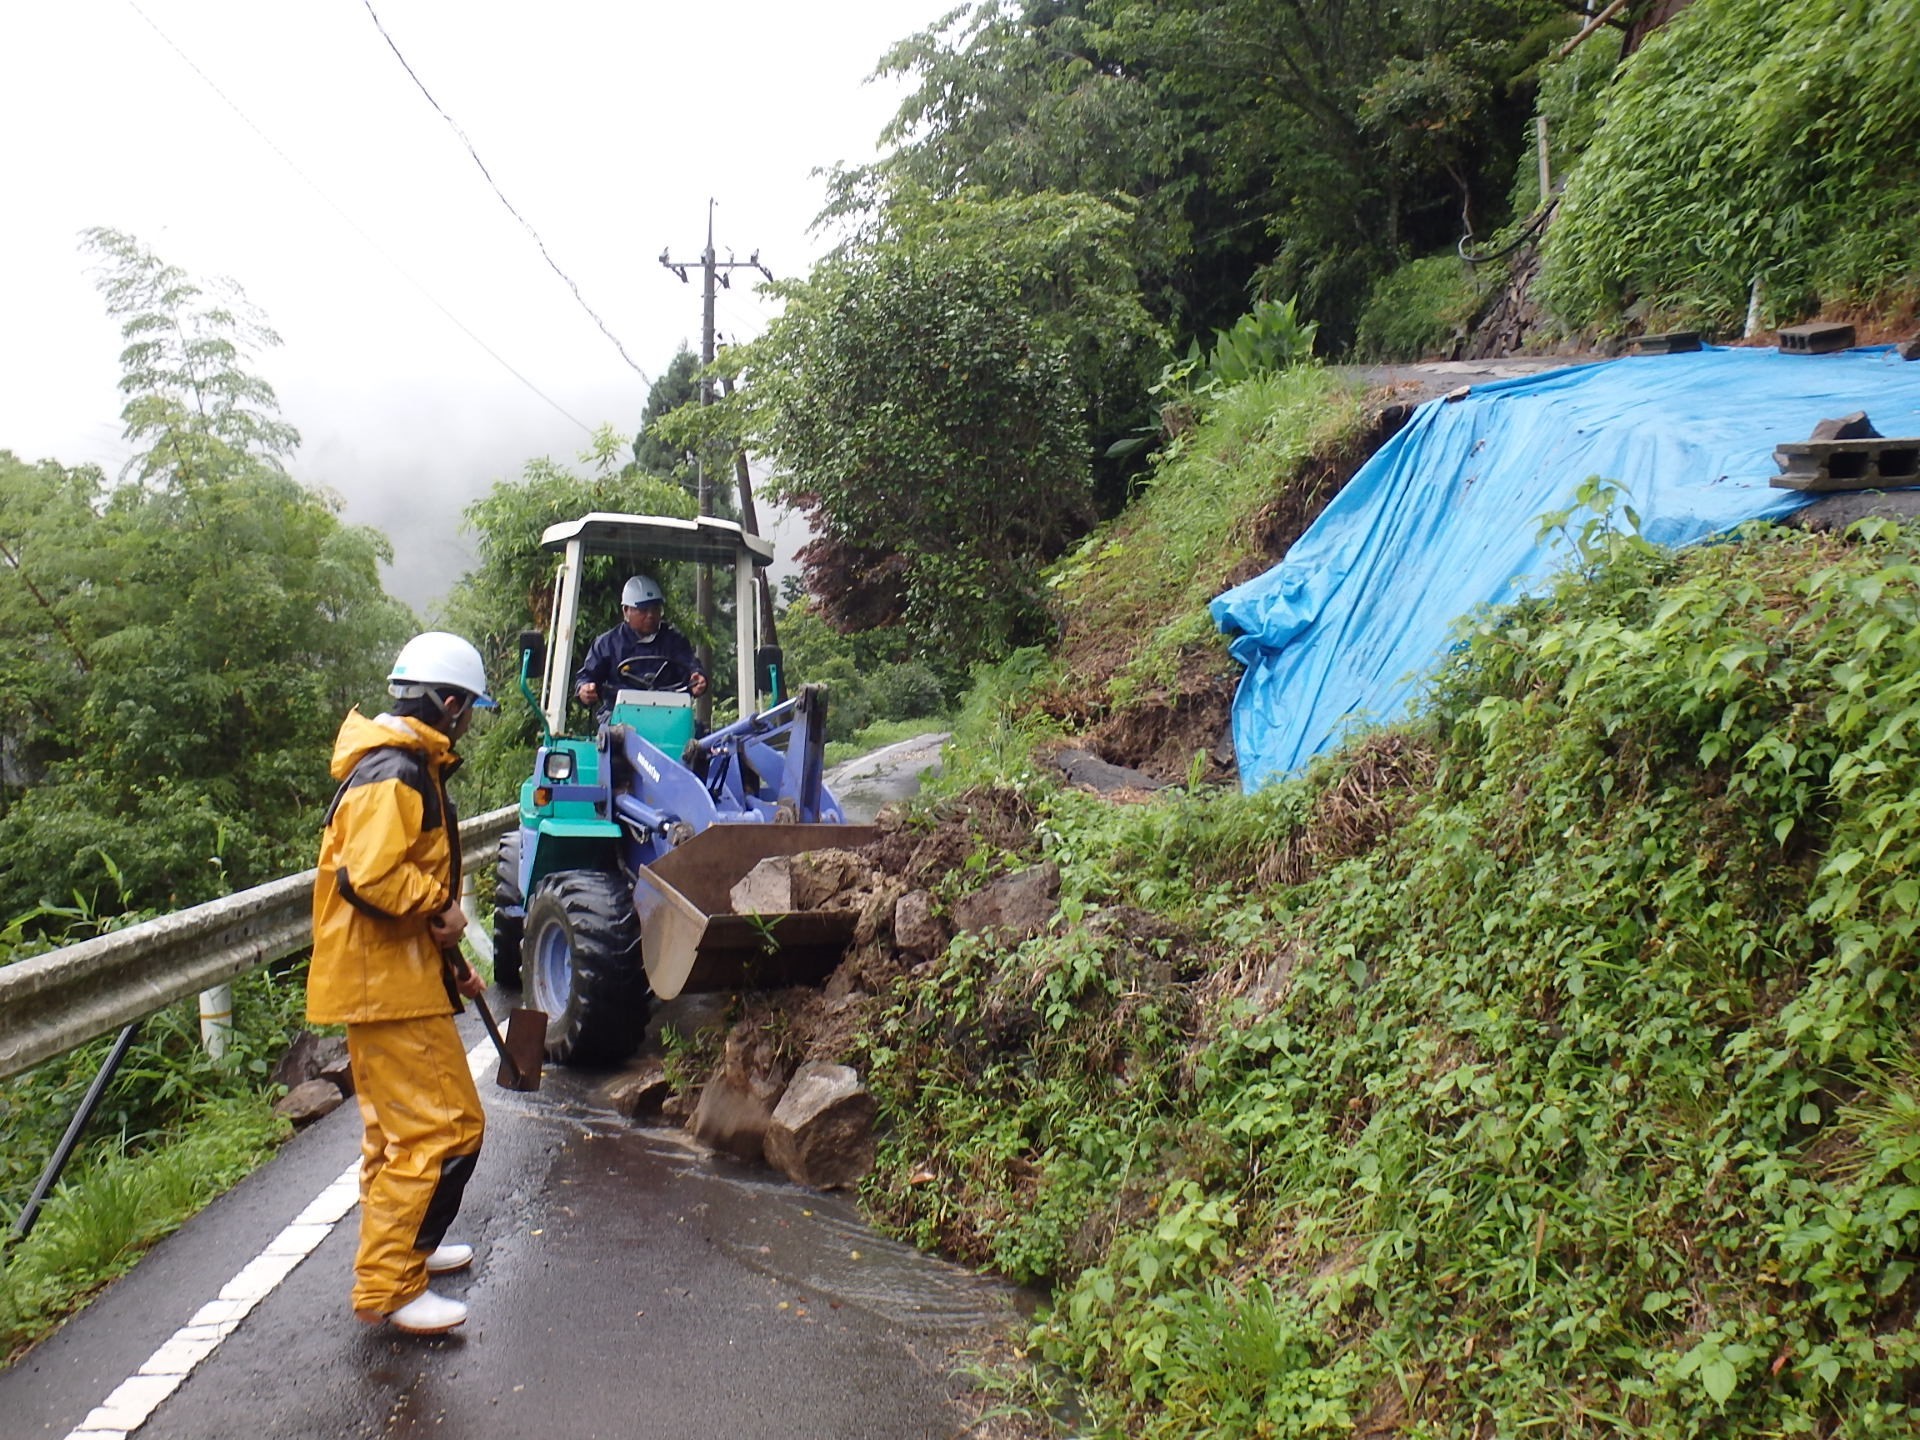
{"x":638,"y":543}
{"x":641,"y":539}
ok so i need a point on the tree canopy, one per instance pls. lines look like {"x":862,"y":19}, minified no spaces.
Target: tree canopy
{"x":959,"y":388}
{"x":927,"y":398}
{"x":653,"y":454}
{"x":1300,"y":148}
{"x":183,"y":641}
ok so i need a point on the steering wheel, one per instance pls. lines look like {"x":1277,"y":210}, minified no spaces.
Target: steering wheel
{"x":655,"y":672}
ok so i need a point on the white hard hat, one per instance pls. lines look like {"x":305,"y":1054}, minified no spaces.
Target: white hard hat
{"x":437,"y":660}
{"x":641,"y":590}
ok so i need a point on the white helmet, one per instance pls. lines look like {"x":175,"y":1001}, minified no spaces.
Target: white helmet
{"x":641,"y":590}
{"x":437,"y":660}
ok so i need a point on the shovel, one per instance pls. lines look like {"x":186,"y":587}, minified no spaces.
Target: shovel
{"x":524,"y":1049}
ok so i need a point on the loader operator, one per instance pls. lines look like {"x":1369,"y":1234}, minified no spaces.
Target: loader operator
{"x":386,"y":904}
{"x":642,"y":652}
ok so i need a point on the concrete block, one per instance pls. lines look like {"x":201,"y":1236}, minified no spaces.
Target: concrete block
{"x":1880,"y":464}
{"x":1673,"y":342}
{"x":1817,"y":337}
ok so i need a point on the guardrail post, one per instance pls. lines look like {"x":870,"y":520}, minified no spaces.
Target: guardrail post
{"x":216,"y":1020}
{"x":23,"y":1224}
{"x":479,"y":941}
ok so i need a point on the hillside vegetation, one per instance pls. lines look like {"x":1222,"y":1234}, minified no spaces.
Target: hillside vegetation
{"x":1542,"y":1065}
{"x":1751,"y":153}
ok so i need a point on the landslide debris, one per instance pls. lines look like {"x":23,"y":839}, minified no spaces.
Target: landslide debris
{"x":768,"y":1078}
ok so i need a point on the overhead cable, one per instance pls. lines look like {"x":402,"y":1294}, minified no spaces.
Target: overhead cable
{"x":355,"y":225}
{"x":511,"y":210}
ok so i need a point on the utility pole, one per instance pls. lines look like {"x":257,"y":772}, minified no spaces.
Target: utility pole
{"x":750,"y":520}
{"x":712,"y":271}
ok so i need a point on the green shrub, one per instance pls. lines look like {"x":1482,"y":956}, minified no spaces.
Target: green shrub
{"x":1421,"y":310}
{"x":1572,"y":98}
{"x":904,"y":691}
{"x":1267,"y":340}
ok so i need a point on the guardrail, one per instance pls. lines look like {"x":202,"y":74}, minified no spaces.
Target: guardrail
{"x":51,"y":1003}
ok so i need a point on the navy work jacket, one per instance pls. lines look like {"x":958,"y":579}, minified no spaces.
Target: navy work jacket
{"x":618,"y":645}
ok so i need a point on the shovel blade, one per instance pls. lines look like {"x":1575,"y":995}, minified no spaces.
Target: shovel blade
{"x":526,"y":1050}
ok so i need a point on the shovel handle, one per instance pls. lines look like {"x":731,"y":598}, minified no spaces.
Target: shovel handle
{"x":493,"y":1034}
{"x":457,"y":963}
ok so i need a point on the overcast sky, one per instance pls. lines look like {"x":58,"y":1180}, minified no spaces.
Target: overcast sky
{"x":283,"y":145}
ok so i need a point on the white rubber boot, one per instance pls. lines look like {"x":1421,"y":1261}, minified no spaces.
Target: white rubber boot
{"x":449,"y":1258}
{"x":428,"y":1314}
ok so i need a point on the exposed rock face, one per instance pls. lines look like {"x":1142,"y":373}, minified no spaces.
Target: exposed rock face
{"x":766,"y":889}
{"x":1083,"y":767}
{"x":821,"y":1132}
{"x":1015,"y":907}
{"x":1846,"y":427}
{"x":876,"y":910}
{"x":339,"y":1071}
{"x":832,"y":880}
{"x":816,"y":1123}
{"x":309,"y":1100}
{"x":812,"y":880}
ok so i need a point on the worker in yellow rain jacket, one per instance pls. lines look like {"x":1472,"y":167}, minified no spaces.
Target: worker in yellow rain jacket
{"x":386,"y":904}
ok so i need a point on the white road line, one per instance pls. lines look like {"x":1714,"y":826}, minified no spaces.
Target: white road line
{"x":135,"y":1399}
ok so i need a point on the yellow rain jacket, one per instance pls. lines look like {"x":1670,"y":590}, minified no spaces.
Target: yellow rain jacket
{"x":389,"y":862}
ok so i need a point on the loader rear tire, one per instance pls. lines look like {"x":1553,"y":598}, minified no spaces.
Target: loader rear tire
{"x":508,"y":930}
{"x":583,"y":967}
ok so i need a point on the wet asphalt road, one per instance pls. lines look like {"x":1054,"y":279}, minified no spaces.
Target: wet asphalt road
{"x":891,"y":773}
{"x":627,"y":1284}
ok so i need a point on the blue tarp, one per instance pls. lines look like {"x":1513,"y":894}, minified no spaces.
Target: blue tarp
{"x":1443,"y":518}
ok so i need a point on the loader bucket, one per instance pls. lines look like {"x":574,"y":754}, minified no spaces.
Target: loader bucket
{"x":693,"y":942}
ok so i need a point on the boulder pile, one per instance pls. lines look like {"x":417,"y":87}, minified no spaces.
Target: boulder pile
{"x":781,"y":1091}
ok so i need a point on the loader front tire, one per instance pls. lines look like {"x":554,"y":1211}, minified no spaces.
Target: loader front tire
{"x":508,"y":929}
{"x":583,"y":967}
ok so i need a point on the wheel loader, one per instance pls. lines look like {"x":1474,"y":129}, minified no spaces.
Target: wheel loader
{"x":614,"y":891}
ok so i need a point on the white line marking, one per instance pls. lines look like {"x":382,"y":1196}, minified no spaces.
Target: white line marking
{"x":134,"y":1400}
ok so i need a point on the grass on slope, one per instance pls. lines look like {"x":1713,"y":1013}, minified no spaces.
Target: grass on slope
{"x":174,"y":1130}
{"x":97,"y":1224}
{"x":1134,"y":595}
{"x":1546,"y":1066}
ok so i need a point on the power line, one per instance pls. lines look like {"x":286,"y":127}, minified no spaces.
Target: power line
{"x":526,"y":223}
{"x":742,"y":325}
{"x":355,"y":225}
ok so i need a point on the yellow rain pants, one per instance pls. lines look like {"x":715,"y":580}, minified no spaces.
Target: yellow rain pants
{"x":423,"y":1129}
